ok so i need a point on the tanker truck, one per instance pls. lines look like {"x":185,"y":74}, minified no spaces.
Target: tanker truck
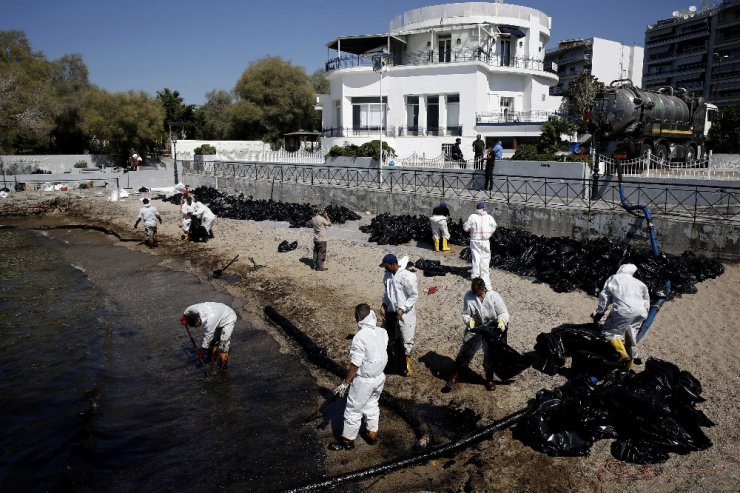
{"x":628,"y":122}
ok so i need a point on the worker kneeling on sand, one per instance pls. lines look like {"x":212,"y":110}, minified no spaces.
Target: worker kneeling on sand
{"x":149,"y":214}
{"x":438,"y":222}
{"x":630,"y":300}
{"x":206,"y":217}
{"x":218,"y":322}
{"x":480,"y":307}
{"x":364,"y":381}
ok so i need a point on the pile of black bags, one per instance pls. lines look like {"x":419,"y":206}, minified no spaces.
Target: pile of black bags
{"x":241,"y":207}
{"x":563,"y":263}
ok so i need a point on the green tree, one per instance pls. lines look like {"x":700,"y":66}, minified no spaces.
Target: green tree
{"x":280,"y":95}
{"x":26,"y":112}
{"x":580,"y":96}
{"x":212,"y":117}
{"x":724,"y":136}
{"x":319,"y":82}
{"x":179,"y":117}
{"x":120,"y":122}
{"x":69,"y":84}
{"x":552,"y":130}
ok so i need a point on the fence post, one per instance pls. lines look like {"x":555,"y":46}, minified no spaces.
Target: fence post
{"x":647,"y":164}
{"x":311,"y":176}
{"x":710,"y":158}
{"x":696,"y":199}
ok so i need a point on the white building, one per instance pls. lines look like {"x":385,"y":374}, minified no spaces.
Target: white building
{"x":449,"y":70}
{"x":606,"y":60}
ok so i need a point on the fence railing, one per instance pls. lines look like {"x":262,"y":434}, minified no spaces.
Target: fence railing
{"x":430,"y":57}
{"x":698,"y":202}
{"x":651,"y":166}
{"x":393,"y":131}
{"x":443,"y":161}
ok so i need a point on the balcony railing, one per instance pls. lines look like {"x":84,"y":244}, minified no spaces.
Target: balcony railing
{"x":434,"y":57}
{"x":393,"y":131}
{"x":513,"y":117}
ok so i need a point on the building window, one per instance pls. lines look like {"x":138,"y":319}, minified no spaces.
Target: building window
{"x":433,"y":115}
{"x":367,"y":112}
{"x":445,"y":48}
{"x":507,"y":107}
{"x":505,"y":52}
{"x":412,"y":113}
{"x":338,"y":106}
{"x":453,"y":113}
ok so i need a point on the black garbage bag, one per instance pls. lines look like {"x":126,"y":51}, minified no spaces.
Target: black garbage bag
{"x":143,"y":189}
{"x":507,"y":362}
{"x":284,"y":246}
{"x":637,"y":452}
{"x":197,"y":232}
{"x":434,"y":268}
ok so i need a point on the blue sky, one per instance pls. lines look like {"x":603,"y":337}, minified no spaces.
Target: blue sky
{"x":194,"y":46}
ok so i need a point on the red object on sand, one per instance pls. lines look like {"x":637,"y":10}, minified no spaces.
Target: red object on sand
{"x":432,"y":290}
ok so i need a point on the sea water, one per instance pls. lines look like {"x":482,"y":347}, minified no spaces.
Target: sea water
{"x":99,"y":390}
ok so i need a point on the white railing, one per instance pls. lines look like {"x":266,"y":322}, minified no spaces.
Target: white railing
{"x":416,"y":161}
{"x":650,"y":166}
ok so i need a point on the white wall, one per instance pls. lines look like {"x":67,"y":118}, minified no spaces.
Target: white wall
{"x":612,"y":60}
{"x":226,"y":150}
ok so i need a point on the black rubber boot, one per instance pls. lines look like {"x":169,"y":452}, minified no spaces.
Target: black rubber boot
{"x":344,"y":444}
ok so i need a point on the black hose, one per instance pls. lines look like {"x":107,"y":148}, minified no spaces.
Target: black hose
{"x":317,"y":355}
{"x":412,"y":460}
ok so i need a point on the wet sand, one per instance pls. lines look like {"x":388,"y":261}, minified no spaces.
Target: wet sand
{"x":697,"y":332}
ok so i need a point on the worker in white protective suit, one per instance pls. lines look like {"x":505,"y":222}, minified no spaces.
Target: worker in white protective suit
{"x":630,"y":300}
{"x":481,"y":227}
{"x":218,"y":322}
{"x":365,"y":380}
{"x":206,"y":217}
{"x":398,"y":309}
{"x":188,"y":210}
{"x":438,"y":222}
{"x":481,"y":307}
{"x":150,"y":215}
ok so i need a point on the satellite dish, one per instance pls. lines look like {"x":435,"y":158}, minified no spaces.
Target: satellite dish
{"x":650,"y":26}
{"x":676,"y":13}
{"x":692,"y":9}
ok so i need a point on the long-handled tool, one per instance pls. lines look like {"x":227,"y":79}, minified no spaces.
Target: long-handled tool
{"x":203,"y":364}
{"x":218,"y":272}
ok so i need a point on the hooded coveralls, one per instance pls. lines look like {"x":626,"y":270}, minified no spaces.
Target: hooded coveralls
{"x":149,"y":215}
{"x":206,"y":216}
{"x":401,"y":291}
{"x":368,"y":354}
{"x":631,"y":301}
{"x":187,"y":218}
{"x":216,"y":317}
{"x":481,"y":226}
{"x":490,"y":309}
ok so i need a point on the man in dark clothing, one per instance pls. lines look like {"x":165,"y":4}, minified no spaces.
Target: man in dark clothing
{"x":490,"y":161}
{"x":456,"y":153}
{"x":478,"y":148}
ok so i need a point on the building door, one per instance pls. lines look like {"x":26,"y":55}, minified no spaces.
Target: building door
{"x":505,"y":52}
{"x":433,"y":115}
{"x":412,"y":114}
{"x":507,"y":108}
{"x":445,"y":49}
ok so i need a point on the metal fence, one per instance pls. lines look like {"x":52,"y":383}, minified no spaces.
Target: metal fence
{"x":694,"y":201}
{"x":651,"y":166}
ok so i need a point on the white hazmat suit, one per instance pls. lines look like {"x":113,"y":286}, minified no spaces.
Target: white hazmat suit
{"x":402,"y":291}
{"x":439,"y":227}
{"x":481,"y":226}
{"x":187,"y":215}
{"x":488,"y":310}
{"x":368,"y":354}
{"x":630,"y":300}
{"x":150,"y":215}
{"x":205,"y":215}
{"x":217,"y":319}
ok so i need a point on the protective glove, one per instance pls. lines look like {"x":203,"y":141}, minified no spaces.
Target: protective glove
{"x":184,"y":320}
{"x":470,"y":324}
{"x":596,"y":317}
{"x":201,"y":354}
{"x":501,"y":325}
{"x":341,"y":389}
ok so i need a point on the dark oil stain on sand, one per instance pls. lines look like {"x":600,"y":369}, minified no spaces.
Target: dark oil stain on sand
{"x":100,"y":391}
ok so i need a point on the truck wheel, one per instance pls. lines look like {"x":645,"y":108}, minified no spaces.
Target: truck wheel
{"x":662,"y":153}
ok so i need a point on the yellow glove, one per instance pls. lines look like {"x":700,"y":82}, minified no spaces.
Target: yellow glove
{"x":501,"y":325}
{"x":470,"y":324}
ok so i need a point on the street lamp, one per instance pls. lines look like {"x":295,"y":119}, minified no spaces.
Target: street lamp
{"x":378,"y":64}
{"x":716,"y":78}
{"x":174,"y":155}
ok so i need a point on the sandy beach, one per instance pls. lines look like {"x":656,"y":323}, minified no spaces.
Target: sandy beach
{"x":697,"y":332}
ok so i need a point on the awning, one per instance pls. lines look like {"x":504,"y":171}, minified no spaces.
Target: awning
{"x":359,"y":45}
{"x":514,"y":31}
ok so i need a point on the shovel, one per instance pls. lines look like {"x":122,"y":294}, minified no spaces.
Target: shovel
{"x":218,"y":272}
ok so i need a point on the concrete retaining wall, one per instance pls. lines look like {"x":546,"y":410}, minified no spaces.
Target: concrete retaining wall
{"x":716,"y":240}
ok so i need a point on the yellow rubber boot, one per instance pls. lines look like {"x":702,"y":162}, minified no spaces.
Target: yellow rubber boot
{"x":436,"y":244}
{"x":445,"y":247}
{"x":618,"y":345}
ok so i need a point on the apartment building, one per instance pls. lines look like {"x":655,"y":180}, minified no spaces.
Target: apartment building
{"x":604,"y":59}
{"x":697,"y":49}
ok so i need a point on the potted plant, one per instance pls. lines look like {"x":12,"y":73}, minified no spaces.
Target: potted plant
{"x":203,"y":153}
